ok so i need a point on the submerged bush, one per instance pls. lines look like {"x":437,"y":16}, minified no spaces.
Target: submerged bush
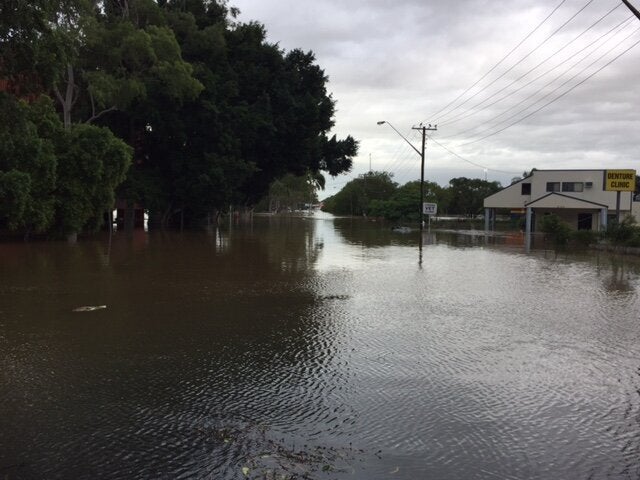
{"x":626,"y":232}
{"x":553,"y":226}
{"x":584,"y":237}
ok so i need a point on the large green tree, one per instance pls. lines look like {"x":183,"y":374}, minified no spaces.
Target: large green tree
{"x":405,"y":203}
{"x":92,"y":163}
{"x":214,"y":113}
{"x":359,"y":195}
{"x":263,"y":113}
{"x":466,"y":195}
{"x":27,"y":166}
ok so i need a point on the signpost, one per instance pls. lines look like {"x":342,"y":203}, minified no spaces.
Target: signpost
{"x":619,"y":181}
{"x":429,"y":208}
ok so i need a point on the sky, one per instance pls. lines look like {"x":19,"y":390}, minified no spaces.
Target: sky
{"x":511,"y":86}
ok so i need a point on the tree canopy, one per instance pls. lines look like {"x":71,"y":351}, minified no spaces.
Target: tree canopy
{"x":358,"y":196}
{"x":463,"y":196}
{"x":212,"y":112}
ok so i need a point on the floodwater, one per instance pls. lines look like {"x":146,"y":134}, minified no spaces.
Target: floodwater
{"x":317,"y":348}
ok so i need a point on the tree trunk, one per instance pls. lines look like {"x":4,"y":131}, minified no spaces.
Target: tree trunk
{"x":70,"y":96}
{"x":129,"y":218}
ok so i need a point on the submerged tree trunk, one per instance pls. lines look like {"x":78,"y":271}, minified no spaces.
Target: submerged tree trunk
{"x":129,"y":218}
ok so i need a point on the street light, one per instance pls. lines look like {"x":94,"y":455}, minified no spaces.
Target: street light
{"x":419,"y":152}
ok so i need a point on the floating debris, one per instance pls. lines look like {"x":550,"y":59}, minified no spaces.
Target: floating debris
{"x":334,"y":297}
{"x":261,"y":455}
{"x":89,"y":308}
{"x":401,"y":229}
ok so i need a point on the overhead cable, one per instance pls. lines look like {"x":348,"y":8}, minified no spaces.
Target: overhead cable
{"x":464,"y":115}
{"x":463,"y":132}
{"x":502,"y":60}
{"x":561,"y":95}
{"x":519,"y":61}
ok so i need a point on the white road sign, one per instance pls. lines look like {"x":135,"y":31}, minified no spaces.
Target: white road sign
{"x":430,"y":208}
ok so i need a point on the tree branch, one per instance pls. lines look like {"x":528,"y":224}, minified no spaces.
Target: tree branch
{"x":58,"y":94}
{"x":99,"y":114}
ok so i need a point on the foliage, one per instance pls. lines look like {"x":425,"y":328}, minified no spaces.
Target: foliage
{"x":626,"y":232}
{"x":289,"y":193}
{"x":52,"y":177}
{"x":262,"y":114}
{"x":213,"y":112}
{"x":462,"y":196}
{"x":27,"y":167}
{"x":405,"y":203}
{"x":362,"y":194}
{"x":466,"y":196}
{"x":584,"y":237}
{"x":92,"y":163}
{"x":556,"y":228}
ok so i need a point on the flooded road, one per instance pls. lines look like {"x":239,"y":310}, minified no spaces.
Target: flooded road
{"x":317,"y":348}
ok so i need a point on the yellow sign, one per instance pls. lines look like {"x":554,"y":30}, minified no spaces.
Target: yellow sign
{"x":620,"y":180}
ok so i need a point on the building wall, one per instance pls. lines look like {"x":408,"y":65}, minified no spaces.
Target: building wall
{"x":512,"y":197}
{"x":635,"y":211}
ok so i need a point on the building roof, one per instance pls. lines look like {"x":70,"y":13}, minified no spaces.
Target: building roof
{"x":560,"y":200}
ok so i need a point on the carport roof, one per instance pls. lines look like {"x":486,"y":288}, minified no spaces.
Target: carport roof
{"x":560,"y":200}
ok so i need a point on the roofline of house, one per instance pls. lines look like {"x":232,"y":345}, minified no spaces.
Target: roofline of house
{"x":566,"y":196}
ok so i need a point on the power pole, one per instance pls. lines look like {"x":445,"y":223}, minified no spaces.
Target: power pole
{"x":632,"y":8}
{"x":424,"y":130}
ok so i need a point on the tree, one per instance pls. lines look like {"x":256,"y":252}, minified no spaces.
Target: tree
{"x":290,"y":193}
{"x":92,"y":163}
{"x":27,"y":165}
{"x":405,"y":203}
{"x":359,"y":195}
{"x":263,"y":114}
{"x":213,"y":112}
{"x":466,"y":196}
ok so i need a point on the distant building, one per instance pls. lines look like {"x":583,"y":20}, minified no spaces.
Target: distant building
{"x":582,"y":198}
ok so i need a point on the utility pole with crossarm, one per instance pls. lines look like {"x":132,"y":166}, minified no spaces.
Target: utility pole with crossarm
{"x":632,"y":8}
{"x":424,"y":130}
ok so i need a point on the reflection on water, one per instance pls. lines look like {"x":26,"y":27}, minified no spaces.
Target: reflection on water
{"x":317,"y":347}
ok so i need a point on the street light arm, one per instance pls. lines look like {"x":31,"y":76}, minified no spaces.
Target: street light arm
{"x":403,"y":137}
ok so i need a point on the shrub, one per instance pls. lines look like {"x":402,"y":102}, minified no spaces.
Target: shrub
{"x":584,"y":237}
{"x":554,"y":227}
{"x":626,"y":232}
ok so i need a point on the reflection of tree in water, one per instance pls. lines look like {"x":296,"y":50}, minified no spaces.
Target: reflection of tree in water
{"x":367,"y":233}
{"x":621,"y":274}
{"x":289,"y":242}
{"x":198,"y":330}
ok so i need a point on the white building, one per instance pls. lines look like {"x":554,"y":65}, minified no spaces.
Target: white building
{"x":582,"y":198}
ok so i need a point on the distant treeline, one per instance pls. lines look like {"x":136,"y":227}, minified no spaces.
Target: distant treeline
{"x":169,"y":104}
{"x":375,"y":194}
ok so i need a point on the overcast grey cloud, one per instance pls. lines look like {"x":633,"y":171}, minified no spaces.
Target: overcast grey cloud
{"x":404,"y":60}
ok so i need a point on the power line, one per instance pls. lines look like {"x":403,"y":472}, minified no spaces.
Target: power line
{"x":464,"y":115}
{"x":502,"y":60}
{"x":469,"y":161}
{"x":547,"y":84}
{"x":561,"y":95}
{"x":519,"y":61}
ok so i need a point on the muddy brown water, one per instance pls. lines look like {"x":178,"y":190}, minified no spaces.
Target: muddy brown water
{"x":317,"y":348}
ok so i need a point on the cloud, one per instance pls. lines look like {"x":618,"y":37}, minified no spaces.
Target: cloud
{"x":403,"y":61}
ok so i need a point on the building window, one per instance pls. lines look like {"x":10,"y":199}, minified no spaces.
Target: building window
{"x":585,"y":221}
{"x":572,"y":186}
{"x":526,"y":189}
{"x":553,"y":186}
